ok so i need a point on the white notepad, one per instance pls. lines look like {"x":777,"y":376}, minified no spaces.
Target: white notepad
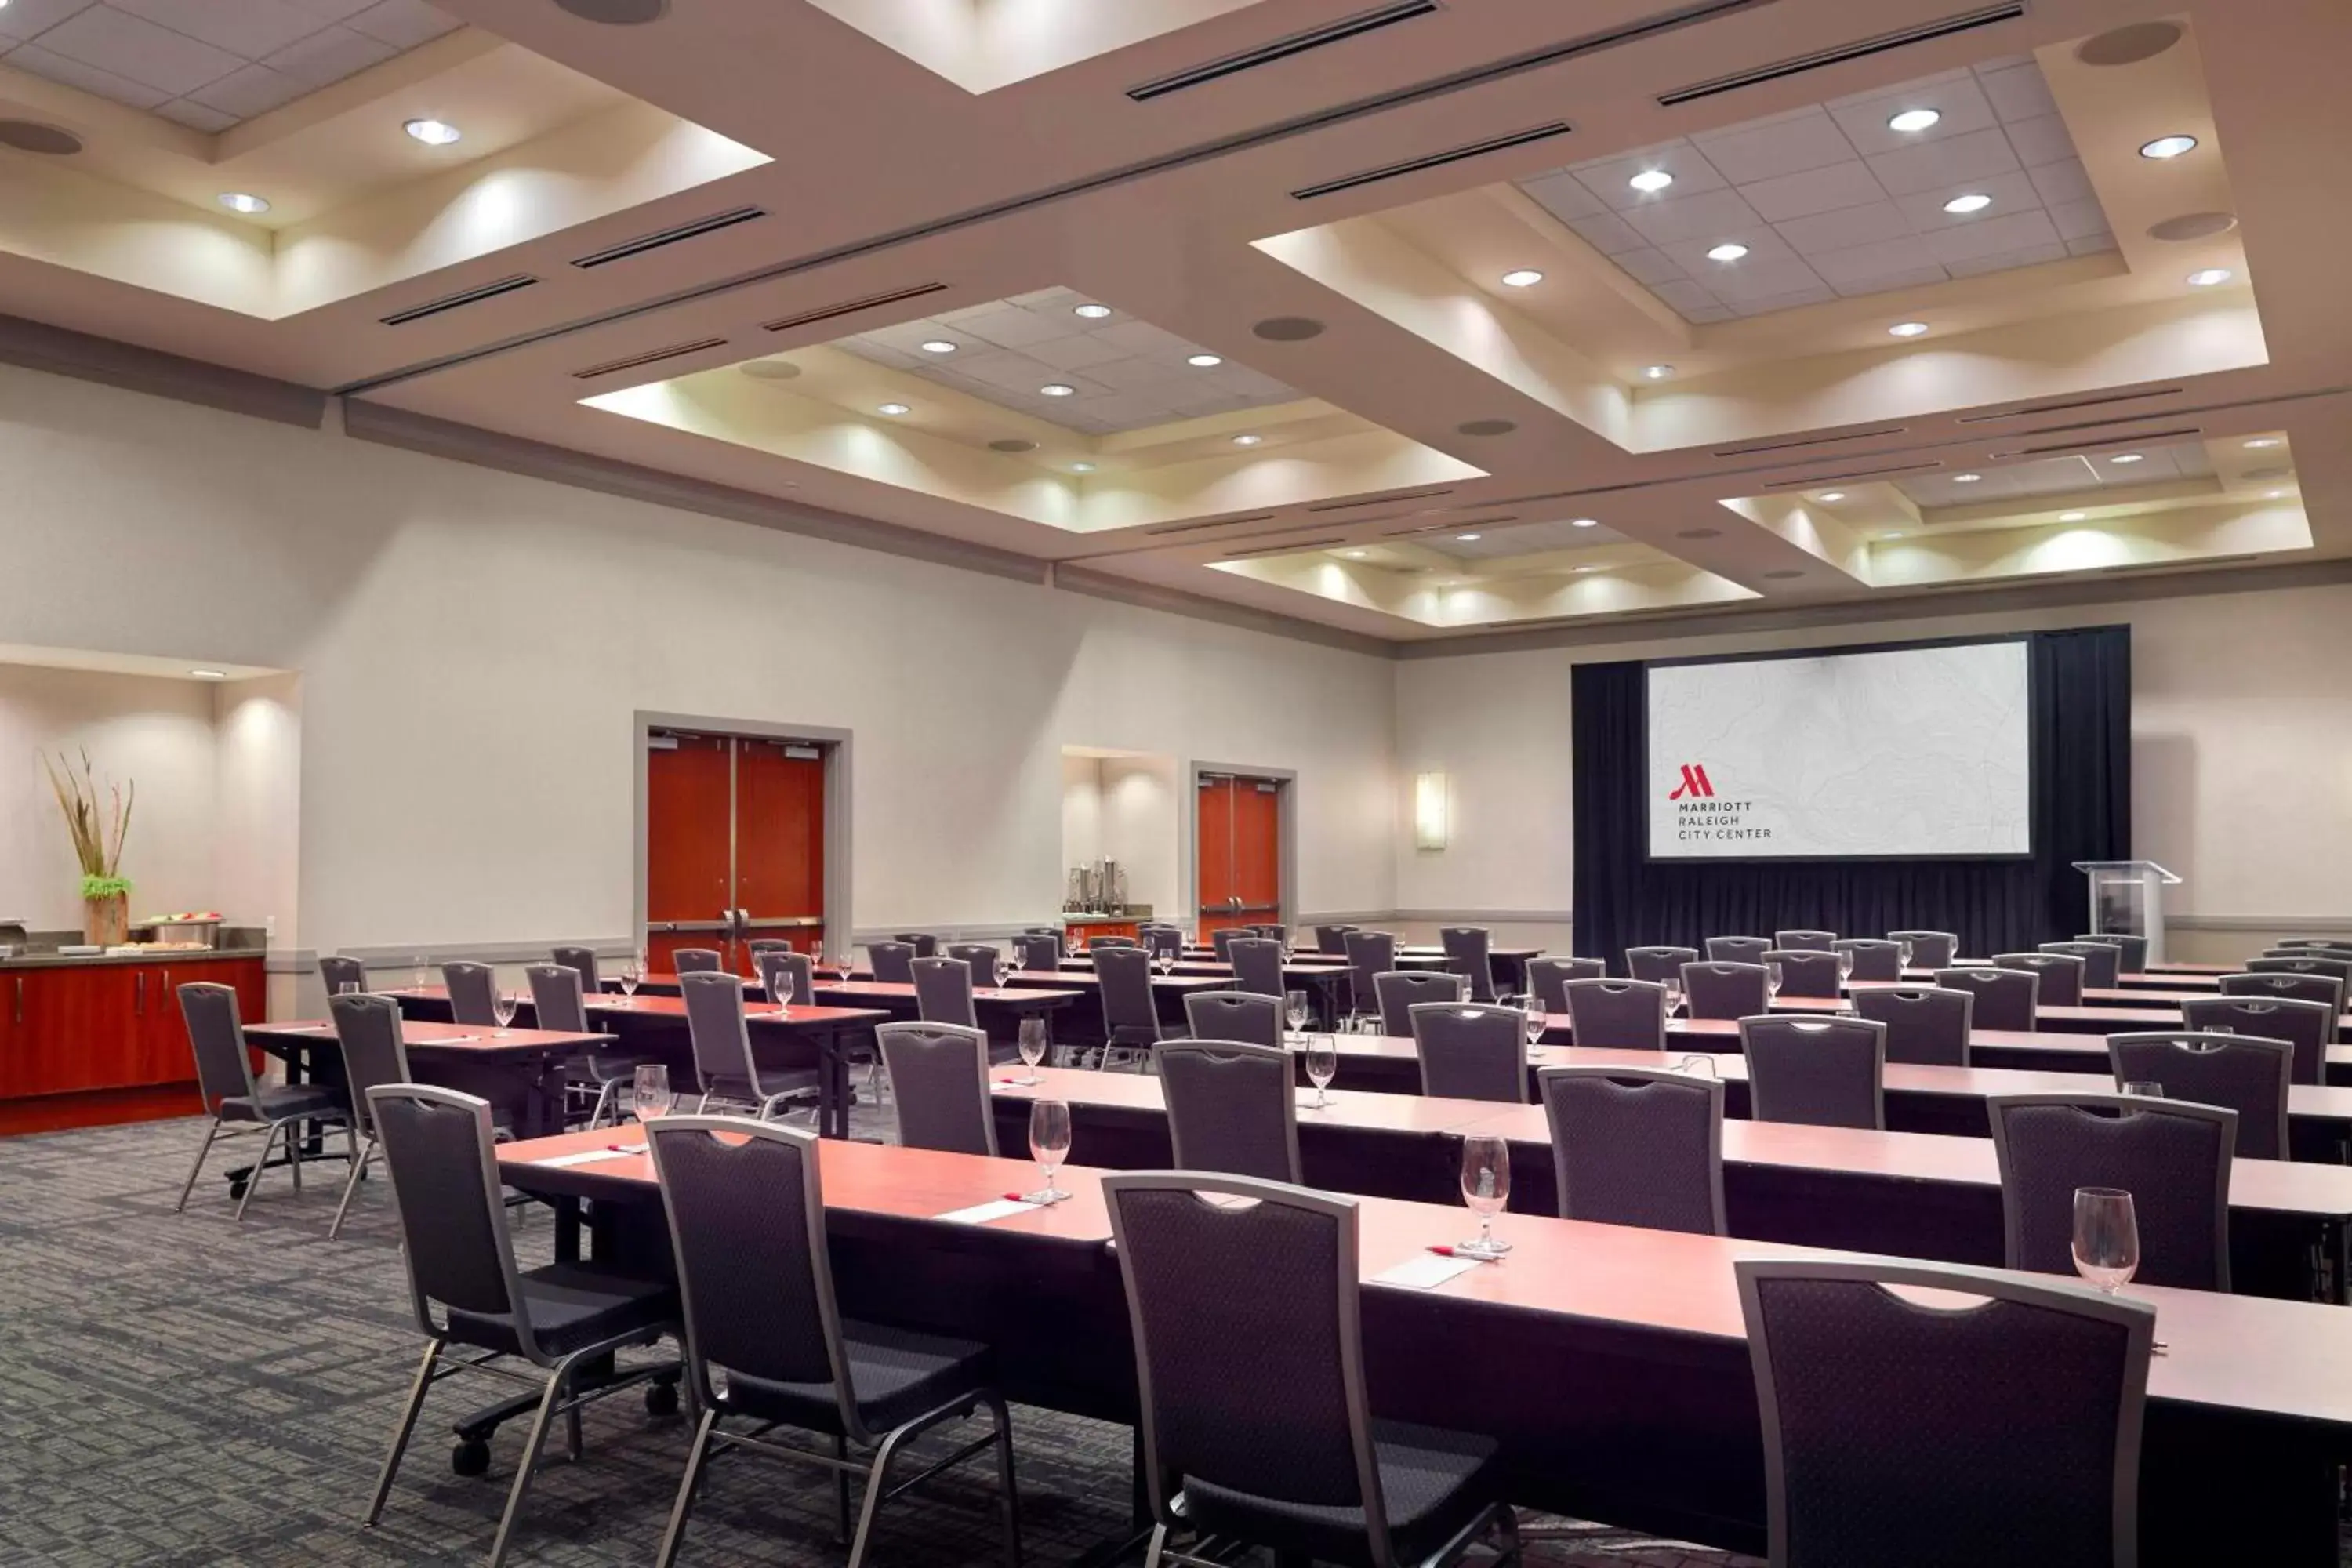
{"x":1425,"y":1271}
{"x":590,"y":1156}
{"x":981,"y":1214}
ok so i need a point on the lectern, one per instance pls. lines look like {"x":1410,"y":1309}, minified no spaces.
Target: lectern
{"x":2127,"y":897}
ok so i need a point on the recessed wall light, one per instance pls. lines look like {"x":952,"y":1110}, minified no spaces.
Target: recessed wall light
{"x":432,"y":132}
{"x":1649,"y":182}
{"x":892,"y":408}
{"x":2273,"y":495}
{"x":1914,"y":120}
{"x":1205,"y":360}
{"x":2168,"y":146}
{"x":1830,"y":495}
{"x":2263,"y":443}
{"x":1729,"y":250}
{"x":1656,"y":372}
{"x":2207,"y":277}
{"x":209,"y":674}
{"x":1966,"y":479}
{"x":1584,"y":522}
{"x":1057,"y":389}
{"x":1247,"y":440}
{"x":1906,"y":328}
{"x":1353,"y":554}
{"x":1082,"y":468}
{"x":1522,"y":278}
{"x":239,"y":202}
{"x":2128,"y":457}
{"x":1581,"y":570}
{"x":1091,"y":312}
{"x":938,"y":346}
{"x":1468,"y":538}
{"x":2073,"y":516}
{"x":1974,"y":201}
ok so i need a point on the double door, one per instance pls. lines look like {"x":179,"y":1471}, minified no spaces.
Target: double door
{"x":734,"y":846}
{"x":1238,"y":852}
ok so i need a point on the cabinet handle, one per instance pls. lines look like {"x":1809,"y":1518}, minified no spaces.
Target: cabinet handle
{"x":140,"y":1005}
{"x":20,"y":998}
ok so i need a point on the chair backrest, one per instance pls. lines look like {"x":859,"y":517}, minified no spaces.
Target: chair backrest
{"x":1258,"y":965}
{"x":783,"y":960}
{"x":1929,"y":948}
{"x":1222,"y":940}
{"x":925,"y":944}
{"x":2005,"y":998}
{"x":1097,"y":943}
{"x":1370,"y":955}
{"x":1824,"y":1072}
{"x":1737,"y":949}
{"x":1232,"y":1107}
{"x":375,"y":1052}
{"x":445,"y":1185}
{"x":943,"y":992}
{"x":1467,"y":953}
{"x":556,"y":999}
{"x":715,"y":1028}
{"x":2061,"y":976}
{"x":759,"y":945}
{"x":2133,"y":948}
{"x":1926,"y":1025}
{"x":1162,"y":941}
{"x":1245,"y":1016}
{"x":1471,"y":1050}
{"x":1270,"y":931}
{"x":1873,"y":959}
{"x":2304,"y":961}
{"x":745,"y":1201}
{"x":2310,"y":1026}
{"x":1658,"y":965}
{"x":983,"y":956}
{"x":1626,"y":1015}
{"x":2103,"y":962}
{"x":1124,"y":976}
{"x":473,"y":992}
{"x":1806,"y":971}
{"x":2245,"y":1072}
{"x":1725,"y":990}
{"x":1638,"y":1146}
{"x":224,"y":1070}
{"x":1548,"y":978}
{"x":337,"y":971}
{"x":1040,"y":953}
{"x":1332,"y":940}
{"x":939,"y":1076}
{"x":581,"y":960}
{"x":892,"y":963}
{"x":1207,"y":1413}
{"x":2317,"y":944}
{"x":2171,"y":1155}
{"x":695,"y":961}
{"x":2324,"y":989}
{"x":1401,"y":990}
{"x":1803,"y":941}
{"x":1845,"y":1368}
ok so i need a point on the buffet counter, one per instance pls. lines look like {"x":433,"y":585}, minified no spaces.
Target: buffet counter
{"x":106,"y":1024}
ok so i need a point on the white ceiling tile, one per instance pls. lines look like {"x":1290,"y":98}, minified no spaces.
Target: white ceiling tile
{"x":1608,"y":233}
{"x":1742,"y":283}
{"x":1136,"y":372}
{"x":1686,"y":298}
{"x":1707,"y":217}
{"x":195,"y":116}
{"x":248,"y":90}
{"x":247,"y":29}
{"x":1858,"y":264}
{"x":1844,"y":228}
{"x":1606,"y":178}
{"x":2010,"y":193}
{"x":29,"y":19}
{"x":1846,"y":185}
{"x":2059,"y":183}
{"x":1005,"y":370}
{"x":897,"y":358}
{"x":1916,"y":84}
{"x":403,"y":24}
{"x":907,"y":336}
{"x":90,"y":78}
{"x":328,"y":56}
{"x":2018,"y":94}
{"x":129,"y":46}
{"x":1650,"y":266}
{"x":1993,"y":236}
{"x":2091,"y":244}
{"x":1787,"y":145}
{"x":2078,"y":220}
{"x":1075,"y":352}
{"x":1880,"y":283}
{"x":1143,"y":338}
{"x":1560,"y":194}
{"x":331,"y":10}
{"x":1010,"y":328}
{"x":2007,"y":260}
{"x":1056,"y":298}
{"x":1820,"y":294}
{"x":2040,"y":142}
{"x":1956,"y":98}
{"x":1952,"y":161}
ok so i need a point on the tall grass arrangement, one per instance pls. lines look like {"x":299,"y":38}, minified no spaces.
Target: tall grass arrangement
{"x":97,"y":838}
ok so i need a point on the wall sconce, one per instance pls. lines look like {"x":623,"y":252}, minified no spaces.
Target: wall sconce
{"x":1429,"y":811}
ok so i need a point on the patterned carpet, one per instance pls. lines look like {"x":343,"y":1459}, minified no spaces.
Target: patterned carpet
{"x":185,"y":1390}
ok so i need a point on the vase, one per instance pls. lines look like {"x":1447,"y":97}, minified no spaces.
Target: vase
{"x":106,"y":921}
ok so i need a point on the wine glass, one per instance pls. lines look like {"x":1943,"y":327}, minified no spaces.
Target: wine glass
{"x":631,"y":973}
{"x":423,"y":973}
{"x":1903,"y":953}
{"x":999,"y":971}
{"x":780,"y":986}
{"x":2144,"y":1089}
{"x":2107,"y":1237}
{"x":1162,"y":960}
{"x":1322,"y":1067}
{"x":347,"y":987}
{"x":502,"y":1008}
{"x":1486,"y":1187}
{"x":1845,"y":964}
{"x":1033,"y":1051}
{"x":1049,"y":1145}
{"x":1772,"y":978}
{"x":1673,"y":996}
{"x":649,"y":1094}
{"x":1535,"y":1020}
{"x":846,"y":962}
{"x":1293,"y":1008}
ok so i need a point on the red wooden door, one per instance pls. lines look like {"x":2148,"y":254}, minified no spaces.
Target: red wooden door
{"x":690,"y":821}
{"x":1238,"y":852}
{"x":779,"y":845}
{"x":734,"y":846}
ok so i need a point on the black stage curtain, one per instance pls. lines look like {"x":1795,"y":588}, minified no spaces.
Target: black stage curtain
{"x":2082,"y":810}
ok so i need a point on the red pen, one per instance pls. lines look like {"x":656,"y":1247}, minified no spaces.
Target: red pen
{"x":1443,"y":1251}
{"x":1014,"y":1198}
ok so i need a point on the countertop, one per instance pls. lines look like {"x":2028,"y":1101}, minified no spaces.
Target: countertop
{"x":68,"y":961}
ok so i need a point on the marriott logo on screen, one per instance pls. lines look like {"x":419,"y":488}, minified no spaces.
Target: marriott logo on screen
{"x":1693,"y":783}
{"x":1700,"y":816}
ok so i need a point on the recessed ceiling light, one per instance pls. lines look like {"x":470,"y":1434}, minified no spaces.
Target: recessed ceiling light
{"x":1657,"y":372}
{"x":2167,"y":146}
{"x":2273,"y":495}
{"x":1205,"y":360}
{"x":1058,"y":389}
{"x":938,"y":346}
{"x":1906,"y":328}
{"x":1966,"y":479}
{"x":239,"y":202}
{"x":1914,"y":120}
{"x":1584,"y":522}
{"x":1522,"y":278}
{"x":432,"y":132}
{"x":2073,"y":516}
{"x":1890,"y":536}
{"x":893,"y":408}
{"x":1649,"y":182}
{"x":1353,"y":554}
{"x":2207,"y":277}
{"x":1729,"y":250}
{"x":1833,"y":495}
{"x":1583,"y":569}
{"x":2128,"y":457}
{"x":1082,"y":468}
{"x":1468,"y":538}
{"x":1247,"y":440}
{"x":1091,"y":312}
{"x":2263,"y":443}
{"x":1974,"y":201}
{"x":202,"y":674}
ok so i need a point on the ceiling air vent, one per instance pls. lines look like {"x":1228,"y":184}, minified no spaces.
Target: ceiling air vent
{"x":673,"y":352}
{"x":2139,"y":437}
{"x":851,"y":307}
{"x":1388,"y":500}
{"x":1284,"y":549}
{"x":2030,"y":410}
{"x":1166,"y":528}
{"x":1791,"y":446}
{"x":454,"y":301}
{"x":1337,"y":32}
{"x":655,"y":240}
{"x":1807,"y":481}
{"x":1838,"y":53}
{"x":1432,"y":161}
{"x":1454,"y":527}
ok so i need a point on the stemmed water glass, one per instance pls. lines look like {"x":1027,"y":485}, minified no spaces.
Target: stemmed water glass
{"x":1164,"y":959}
{"x":423,"y":973}
{"x":649,"y":1093}
{"x":1486,"y":1187}
{"x":1322,"y":1067}
{"x":1845,"y":964}
{"x":1293,"y":1008}
{"x":2107,"y":1237}
{"x":846,"y":962}
{"x":1535,"y":1019}
{"x":1772,"y":981}
{"x":1903,"y":953}
{"x":1049,"y":1146}
{"x":502,"y":1008}
{"x":780,"y":986}
{"x":631,"y":973}
{"x":1033,"y":1051}
{"x":999,"y":971}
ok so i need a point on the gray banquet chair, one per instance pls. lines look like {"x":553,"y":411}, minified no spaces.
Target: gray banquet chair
{"x":1258,"y":965}
{"x":2323,"y":989}
{"x":2005,"y":998}
{"x":1401,"y":990}
{"x":943,"y":992}
{"x":2302,"y":962}
{"x":892,"y":963}
{"x":1548,"y":978}
{"x":1332,"y":940}
{"x":1472,"y":1050}
{"x":1929,"y":948}
{"x":2133,"y":948}
{"x":1469,"y":953}
{"x":2316,"y":944}
{"x":473,"y":991}
{"x":747,"y":1230}
{"x":1806,"y":971}
{"x":238,"y":1104}
{"x":983,"y":957}
{"x":1737,"y":949}
{"x":1726,"y":990}
{"x":925,"y":944}
{"x":724,"y":1066}
{"x":1233,"y":1107}
{"x":1244,"y":1015}
{"x":696,"y":961}
{"x":368,"y":1033}
{"x":797,"y":968}
{"x":938,"y":1077}
{"x":1038,"y":953}
{"x":1162,"y":941}
{"x":2309,"y":1026}
{"x":564,"y":1319}
{"x":1130,"y":1011}
{"x":2171,"y":1155}
{"x":581,"y":960}
{"x":1659,"y":964}
{"x":2248,"y":1074}
{"x":1370,"y":955}
{"x":1822,"y":1072}
{"x":1873,"y":959}
{"x":1278,"y":1447}
{"x":559,"y":1001}
{"x":1638,"y":1146}
{"x":1926,"y":1025}
{"x":337,"y":971}
{"x":1222,"y":940}
{"x":1804,"y":940}
{"x":1097,"y":943}
{"x":1873,"y":1407}
{"x":2061,"y":976}
{"x":1627,"y":1015}
{"x":2103,"y":962}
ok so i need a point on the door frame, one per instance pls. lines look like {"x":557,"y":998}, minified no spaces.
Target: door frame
{"x":835,"y":744}
{"x":1286,"y":814}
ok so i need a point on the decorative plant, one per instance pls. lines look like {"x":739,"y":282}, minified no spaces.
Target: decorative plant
{"x":98,"y":845}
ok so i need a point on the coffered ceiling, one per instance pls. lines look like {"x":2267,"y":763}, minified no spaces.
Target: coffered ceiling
{"x":1413,"y":319}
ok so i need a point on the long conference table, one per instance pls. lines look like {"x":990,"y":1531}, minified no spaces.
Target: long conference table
{"x":1610,"y":1363}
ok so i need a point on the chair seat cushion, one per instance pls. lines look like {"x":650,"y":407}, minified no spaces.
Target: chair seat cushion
{"x":897,"y":1373}
{"x":574,"y":1304}
{"x":284,"y":1101}
{"x":1434,"y":1482}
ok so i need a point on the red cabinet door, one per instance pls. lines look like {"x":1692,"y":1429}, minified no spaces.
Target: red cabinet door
{"x":81,"y":1028}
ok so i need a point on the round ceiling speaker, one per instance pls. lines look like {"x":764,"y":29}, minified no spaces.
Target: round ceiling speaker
{"x":32,"y":136}
{"x":2193,"y":226}
{"x":1700,"y":533}
{"x":1487,"y":427}
{"x":614,"y":13}
{"x":1289,"y":328}
{"x":772,"y":370}
{"x":1013,"y":444}
{"x":2129,"y":45}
